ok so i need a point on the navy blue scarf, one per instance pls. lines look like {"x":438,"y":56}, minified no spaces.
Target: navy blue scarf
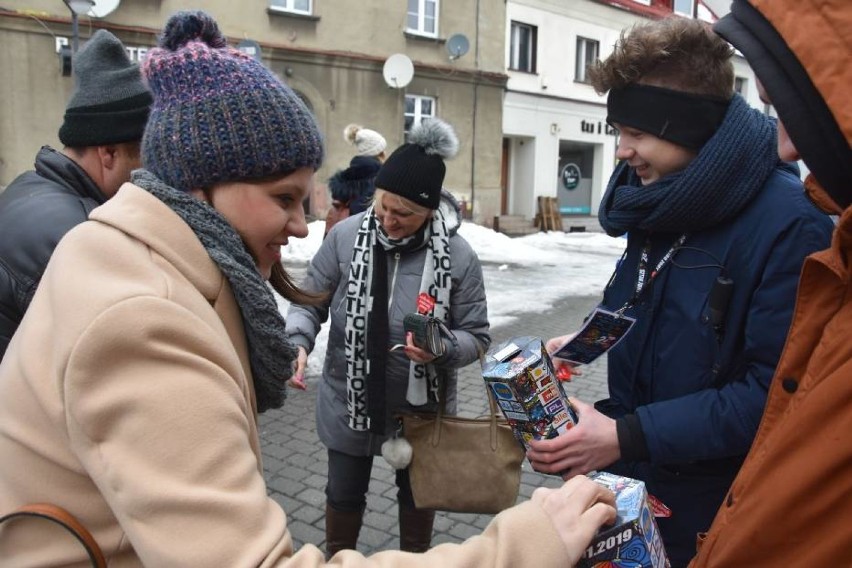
{"x":729,"y":170}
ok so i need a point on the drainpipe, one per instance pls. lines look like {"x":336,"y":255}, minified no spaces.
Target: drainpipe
{"x":475,"y":100}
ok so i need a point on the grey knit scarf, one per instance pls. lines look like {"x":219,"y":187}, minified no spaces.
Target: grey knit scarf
{"x":270,"y":352}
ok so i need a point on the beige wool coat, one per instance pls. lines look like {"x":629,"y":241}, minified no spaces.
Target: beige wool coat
{"x":126,"y":398}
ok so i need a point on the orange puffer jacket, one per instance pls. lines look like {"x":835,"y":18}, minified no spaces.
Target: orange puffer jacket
{"x":791,"y":504}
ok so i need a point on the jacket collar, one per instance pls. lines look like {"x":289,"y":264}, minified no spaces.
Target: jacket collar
{"x":820,"y":197}
{"x":841,"y":246}
{"x":144,"y":217}
{"x":838,"y":257}
{"x":59,"y":168}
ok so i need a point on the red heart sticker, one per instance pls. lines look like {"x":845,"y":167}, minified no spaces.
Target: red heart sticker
{"x":425,"y":303}
{"x":658,"y":507}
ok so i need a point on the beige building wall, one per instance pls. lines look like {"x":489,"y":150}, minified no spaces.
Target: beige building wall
{"x":334,"y":58}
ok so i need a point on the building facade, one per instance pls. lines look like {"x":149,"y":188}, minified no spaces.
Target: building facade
{"x":556,"y":139}
{"x":332,"y":52}
{"x":508,"y":75}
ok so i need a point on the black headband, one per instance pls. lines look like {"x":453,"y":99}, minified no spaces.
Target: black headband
{"x":685,"y":119}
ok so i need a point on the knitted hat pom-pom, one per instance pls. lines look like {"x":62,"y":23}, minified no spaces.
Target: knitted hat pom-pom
{"x":350,"y":133}
{"x":436,"y":137}
{"x":188,"y":26}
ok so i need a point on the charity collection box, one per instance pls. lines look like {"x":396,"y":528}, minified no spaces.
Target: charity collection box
{"x":519,"y":375}
{"x":634,"y":540}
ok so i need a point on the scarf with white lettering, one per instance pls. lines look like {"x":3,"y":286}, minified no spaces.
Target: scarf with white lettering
{"x":367,"y":333}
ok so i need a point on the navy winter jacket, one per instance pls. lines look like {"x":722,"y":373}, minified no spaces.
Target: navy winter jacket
{"x":698,"y":390}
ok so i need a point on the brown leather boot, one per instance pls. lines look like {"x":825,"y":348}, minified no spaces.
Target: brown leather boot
{"x":415,"y":529}
{"x":341,"y":529}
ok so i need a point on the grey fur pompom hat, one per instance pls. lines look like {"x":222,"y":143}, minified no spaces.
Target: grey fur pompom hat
{"x":416,"y":170}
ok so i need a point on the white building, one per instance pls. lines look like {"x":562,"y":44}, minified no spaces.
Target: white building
{"x":556,"y":139}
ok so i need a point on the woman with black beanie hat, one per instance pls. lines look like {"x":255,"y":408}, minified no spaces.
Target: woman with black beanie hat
{"x":402,"y":255}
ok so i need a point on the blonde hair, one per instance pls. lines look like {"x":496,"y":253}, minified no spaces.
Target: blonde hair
{"x":406,"y":204}
{"x":675,"y":53}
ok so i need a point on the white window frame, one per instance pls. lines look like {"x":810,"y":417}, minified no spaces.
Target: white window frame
{"x":515,"y":46}
{"x":289,"y":6}
{"x":743,"y":90}
{"x":691,"y":12}
{"x":418,"y":115}
{"x":421,"y":18}
{"x":580,"y":62}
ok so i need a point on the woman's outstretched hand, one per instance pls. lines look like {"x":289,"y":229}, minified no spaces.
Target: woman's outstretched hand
{"x":297,"y":381}
{"x":577,"y":509}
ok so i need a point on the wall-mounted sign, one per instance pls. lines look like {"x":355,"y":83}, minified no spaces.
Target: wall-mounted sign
{"x":136,"y":54}
{"x":570,"y":176}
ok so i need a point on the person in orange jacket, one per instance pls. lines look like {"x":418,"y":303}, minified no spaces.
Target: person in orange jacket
{"x":791,"y":504}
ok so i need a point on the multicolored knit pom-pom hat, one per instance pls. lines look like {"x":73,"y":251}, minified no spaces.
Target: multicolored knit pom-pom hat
{"x":218,"y":114}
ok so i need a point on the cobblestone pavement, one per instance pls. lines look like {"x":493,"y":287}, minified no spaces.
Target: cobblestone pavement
{"x":295,"y":460}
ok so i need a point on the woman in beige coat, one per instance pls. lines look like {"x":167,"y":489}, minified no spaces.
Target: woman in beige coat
{"x":130,"y":393}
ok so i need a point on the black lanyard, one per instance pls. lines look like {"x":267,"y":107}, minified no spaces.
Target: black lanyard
{"x":643,"y":280}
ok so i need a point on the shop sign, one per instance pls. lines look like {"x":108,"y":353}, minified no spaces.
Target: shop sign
{"x":570,"y":176}
{"x":596,"y":127}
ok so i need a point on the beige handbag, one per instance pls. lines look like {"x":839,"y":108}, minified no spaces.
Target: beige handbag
{"x":464,"y":465}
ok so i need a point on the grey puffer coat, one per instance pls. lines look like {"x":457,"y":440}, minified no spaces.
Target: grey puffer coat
{"x":329,"y":271}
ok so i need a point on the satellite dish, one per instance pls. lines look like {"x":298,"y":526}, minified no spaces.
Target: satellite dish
{"x":398,"y":71}
{"x":102,"y":8}
{"x":457,"y":45}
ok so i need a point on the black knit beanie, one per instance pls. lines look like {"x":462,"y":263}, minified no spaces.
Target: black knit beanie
{"x":110,"y":104}
{"x":416,"y":170}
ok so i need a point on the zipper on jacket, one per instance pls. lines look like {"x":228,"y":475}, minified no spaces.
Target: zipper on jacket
{"x":393,"y":280}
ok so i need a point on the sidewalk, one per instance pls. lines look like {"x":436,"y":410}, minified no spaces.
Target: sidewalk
{"x":295,"y":461}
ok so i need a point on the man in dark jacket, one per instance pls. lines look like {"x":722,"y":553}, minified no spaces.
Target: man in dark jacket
{"x":101,"y":133}
{"x":717,"y":231}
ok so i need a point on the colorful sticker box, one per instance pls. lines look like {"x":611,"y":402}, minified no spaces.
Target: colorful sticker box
{"x":634,"y":540}
{"x":519,"y":375}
